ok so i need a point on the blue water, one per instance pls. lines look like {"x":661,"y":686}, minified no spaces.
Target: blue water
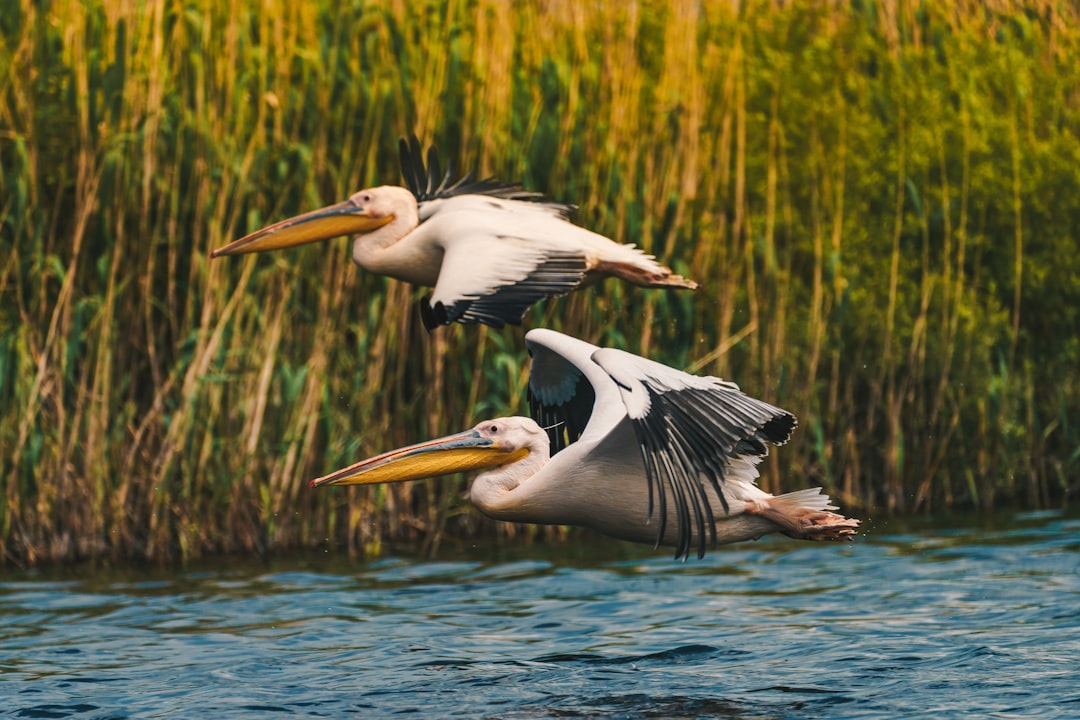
{"x":980,"y":620}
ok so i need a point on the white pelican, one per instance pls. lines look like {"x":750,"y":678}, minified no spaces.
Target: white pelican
{"x":488,"y":250}
{"x":638,"y":451}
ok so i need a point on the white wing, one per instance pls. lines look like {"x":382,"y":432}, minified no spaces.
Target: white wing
{"x":693,"y":432}
{"x":502,"y":255}
{"x":504,"y":247}
{"x":499,"y":257}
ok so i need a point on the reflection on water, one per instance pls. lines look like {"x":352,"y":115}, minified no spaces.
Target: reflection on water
{"x":980,"y":619}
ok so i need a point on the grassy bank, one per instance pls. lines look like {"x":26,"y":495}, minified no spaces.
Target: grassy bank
{"x":879,"y":199}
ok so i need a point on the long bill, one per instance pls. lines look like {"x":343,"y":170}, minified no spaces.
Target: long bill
{"x":343,"y":218}
{"x":451,"y":454}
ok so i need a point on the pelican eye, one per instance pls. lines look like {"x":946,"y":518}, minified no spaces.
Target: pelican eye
{"x":493,"y":429}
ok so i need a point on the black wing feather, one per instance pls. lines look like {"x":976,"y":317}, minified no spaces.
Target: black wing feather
{"x":565,"y":421}
{"x":557,"y":275}
{"x":425,"y":183}
{"x":692,"y":433}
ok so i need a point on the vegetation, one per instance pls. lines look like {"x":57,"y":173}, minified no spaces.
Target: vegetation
{"x":880,"y":199}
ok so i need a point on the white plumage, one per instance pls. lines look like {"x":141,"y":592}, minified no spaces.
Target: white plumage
{"x":490,"y":250}
{"x":626,"y":446}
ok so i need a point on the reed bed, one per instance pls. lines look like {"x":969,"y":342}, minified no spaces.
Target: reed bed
{"x":879,"y":199}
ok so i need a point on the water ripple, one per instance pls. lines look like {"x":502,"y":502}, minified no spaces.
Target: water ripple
{"x":935,"y":622}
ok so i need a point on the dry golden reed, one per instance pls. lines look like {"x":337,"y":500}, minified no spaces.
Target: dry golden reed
{"x":880,"y":200}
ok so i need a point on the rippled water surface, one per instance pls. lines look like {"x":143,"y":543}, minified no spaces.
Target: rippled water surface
{"x":982,"y":620}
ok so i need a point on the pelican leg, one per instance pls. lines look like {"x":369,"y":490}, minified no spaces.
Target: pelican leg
{"x":642,"y":277}
{"x":798,"y":521}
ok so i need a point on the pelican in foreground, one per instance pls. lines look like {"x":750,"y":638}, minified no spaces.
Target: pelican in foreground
{"x":625,"y":446}
{"x":490,"y":250}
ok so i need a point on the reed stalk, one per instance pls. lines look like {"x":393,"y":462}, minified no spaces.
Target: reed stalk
{"x":880,"y":202}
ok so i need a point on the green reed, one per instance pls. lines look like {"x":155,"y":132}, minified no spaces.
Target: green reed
{"x":878,"y":198}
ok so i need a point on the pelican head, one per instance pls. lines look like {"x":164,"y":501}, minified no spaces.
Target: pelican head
{"x":364,"y":212}
{"x":490,"y":444}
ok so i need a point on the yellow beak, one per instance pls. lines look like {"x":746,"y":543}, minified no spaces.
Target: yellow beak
{"x":451,"y":454}
{"x":343,"y":218}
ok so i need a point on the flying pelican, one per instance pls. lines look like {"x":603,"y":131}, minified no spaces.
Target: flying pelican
{"x":489,"y":249}
{"x":632,"y":449}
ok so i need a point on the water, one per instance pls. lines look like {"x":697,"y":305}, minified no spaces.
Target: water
{"x":980,"y":620}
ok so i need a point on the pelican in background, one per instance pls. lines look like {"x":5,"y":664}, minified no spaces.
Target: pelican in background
{"x":625,"y":446}
{"x":489,"y":249}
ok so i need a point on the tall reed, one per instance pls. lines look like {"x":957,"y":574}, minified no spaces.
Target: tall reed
{"x":879,"y":200}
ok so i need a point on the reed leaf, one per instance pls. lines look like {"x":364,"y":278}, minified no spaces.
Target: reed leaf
{"x":880,"y":201}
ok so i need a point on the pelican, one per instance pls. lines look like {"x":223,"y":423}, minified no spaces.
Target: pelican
{"x":489,"y":250}
{"x":625,"y":446}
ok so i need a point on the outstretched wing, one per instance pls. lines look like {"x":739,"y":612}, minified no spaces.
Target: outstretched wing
{"x":569,"y":394}
{"x":690,"y":429}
